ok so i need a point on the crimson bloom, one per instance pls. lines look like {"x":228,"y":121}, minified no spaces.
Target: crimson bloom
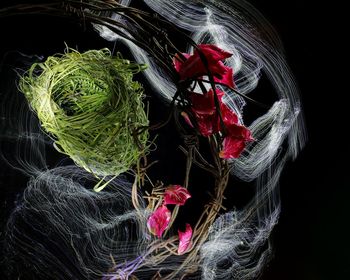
{"x":185,"y":240}
{"x":193,"y":66}
{"x":204,"y":110}
{"x":176,"y":194}
{"x":203,"y":106}
{"x":159,"y":221}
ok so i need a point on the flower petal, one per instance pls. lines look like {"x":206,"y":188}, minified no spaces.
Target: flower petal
{"x":185,"y":240}
{"x":176,"y":194}
{"x":225,"y":77}
{"x":178,"y":61}
{"x":208,"y":124}
{"x":232,"y":148}
{"x":228,"y":116}
{"x":213,"y":53}
{"x":235,"y":142}
{"x":159,"y":220}
{"x":205,"y":103}
{"x":204,"y":109}
{"x":193,"y":66}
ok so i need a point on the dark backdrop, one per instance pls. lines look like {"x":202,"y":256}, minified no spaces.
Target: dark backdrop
{"x":310,"y":241}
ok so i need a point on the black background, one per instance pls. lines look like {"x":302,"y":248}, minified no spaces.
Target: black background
{"x":311,"y":240}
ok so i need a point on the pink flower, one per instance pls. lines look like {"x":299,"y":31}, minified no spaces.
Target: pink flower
{"x":235,"y":141}
{"x":159,"y":221}
{"x":193,"y":66}
{"x":185,"y":240}
{"x":176,"y":194}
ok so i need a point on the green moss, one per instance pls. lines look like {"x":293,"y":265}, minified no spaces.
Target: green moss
{"x":90,"y":105}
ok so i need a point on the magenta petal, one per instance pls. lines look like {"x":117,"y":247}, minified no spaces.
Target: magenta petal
{"x":233,"y":148}
{"x":204,"y":109}
{"x":176,"y":194}
{"x":217,"y":69}
{"x":178,"y":61}
{"x":185,"y":240}
{"x":207,"y":124}
{"x":235,"y":142}
{"x":213,"y":53}
{"x":193,"y":67}
{"x":228,"y":116}
{"x":205,"y":103}
{"x":226,"y":77}
{"x":159,"y":221}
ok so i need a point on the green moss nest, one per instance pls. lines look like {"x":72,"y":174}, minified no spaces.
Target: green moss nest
{"x":91,"y":107}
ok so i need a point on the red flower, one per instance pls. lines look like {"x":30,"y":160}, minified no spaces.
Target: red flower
{"x":235,"y":141}
{"x":204,"y":110}
{"x":176,"y":194}
{"x":193,"y":66}
{"x":203,"y":104}
{"x":237,"y":135}
{"x":185,"y":240}
{"x":159,"y":221}
{"x":228,"y":116}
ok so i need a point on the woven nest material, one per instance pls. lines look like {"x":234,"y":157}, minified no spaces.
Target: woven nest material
{"x":90,"y":105}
